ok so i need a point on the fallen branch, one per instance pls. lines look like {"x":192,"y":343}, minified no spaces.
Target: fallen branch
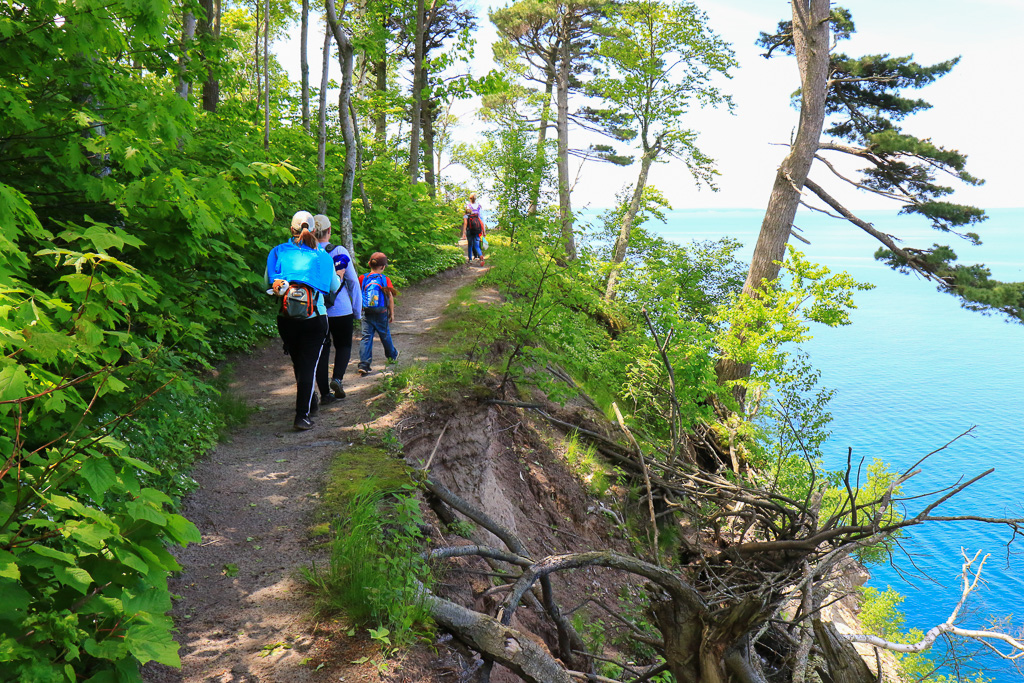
{"x":497,"y":641}
{"x":969,"y":579}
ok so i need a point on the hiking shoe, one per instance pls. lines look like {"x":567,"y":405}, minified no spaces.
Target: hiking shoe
{"x":328,"y":399}
{"x":395,"y":359}
{"x":302,"y":424}
{"x":339,"y":392}
{"x":314,"y":407}
{"x":363,"y":372}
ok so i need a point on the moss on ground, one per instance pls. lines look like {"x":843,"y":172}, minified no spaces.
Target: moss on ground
{"x":350,"y":468}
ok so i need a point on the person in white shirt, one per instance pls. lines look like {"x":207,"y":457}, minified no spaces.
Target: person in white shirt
{"x":473,"y":228}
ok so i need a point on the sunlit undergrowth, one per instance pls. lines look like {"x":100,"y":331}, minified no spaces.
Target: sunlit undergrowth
{"x":375,"y":572}
{"x":347,"y":477}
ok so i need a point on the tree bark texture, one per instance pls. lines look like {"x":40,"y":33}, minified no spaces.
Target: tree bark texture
{"x":844,"y":663}
{"x":417,"y":92}
{"x":622,"y":241}
{"x":811,"y":38}
{"x":304,"y":63}
{"x":266,"y":76}
{"x":321,"y":138}
{"x":504,"y":645}
{"x":346,"y":58}
{"x":542,"y":135}
{"x":256,"y":57}
{"x":427,"y":112}
{"x":188,"y":34}
{"x":562,"y":95}
{"x":208,"y":27}
{"x":359,"y":159}
{"x":380,"y":69}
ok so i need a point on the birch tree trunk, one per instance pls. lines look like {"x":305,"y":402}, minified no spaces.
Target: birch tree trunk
{"x":811,"y":39}
{"x":562,"y":94}
{"x":321,"y":138}
{"x":417,"y":93}
{"x":304,"y":63}
{"x":188,"y":34}
{"x":367,"y":207}
{"x":622,"y":241}
{"x":266,"y":76}
{"x":256,"y":57}
{"x":345,"y":57}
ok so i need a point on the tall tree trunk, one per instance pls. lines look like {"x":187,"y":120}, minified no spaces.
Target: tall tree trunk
{"x":811,"y":39}
{"x":622,"y":241}
{"x":266,"y":76}
{"x":188,"y":33}
{"x":256,"y":63}
{"x":304,"y":63}
{"x":427,"y":113}
{"x":380,"y":131}
{"x":367,"y":207}
{"x":321,"y":138}
{"x":208,"y":27}
{"x":417,"y":92}
{"x":345,"y":57}
{"x":562,"y":94}
{"x":542,"y":135}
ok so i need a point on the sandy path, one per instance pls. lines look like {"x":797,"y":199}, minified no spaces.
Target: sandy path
{"x":254,"y":506}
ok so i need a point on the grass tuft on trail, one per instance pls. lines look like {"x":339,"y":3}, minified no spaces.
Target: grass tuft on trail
{"x":349,"y":474}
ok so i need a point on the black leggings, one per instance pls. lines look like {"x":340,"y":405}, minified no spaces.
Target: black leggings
{"x":304,"y":339}
{"x":341,"y":332}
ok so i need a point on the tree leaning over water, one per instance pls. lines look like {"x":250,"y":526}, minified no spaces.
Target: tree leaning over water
{"x":656,"y":60}
{"x":862,"y":103}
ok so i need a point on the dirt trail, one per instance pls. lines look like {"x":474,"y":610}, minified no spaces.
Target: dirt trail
{"x":254,"y":506}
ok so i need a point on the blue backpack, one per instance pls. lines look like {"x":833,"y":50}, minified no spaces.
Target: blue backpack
{"x":374,"y":295}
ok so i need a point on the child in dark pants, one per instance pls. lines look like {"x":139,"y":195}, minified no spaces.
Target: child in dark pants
{"x":378,"y":311}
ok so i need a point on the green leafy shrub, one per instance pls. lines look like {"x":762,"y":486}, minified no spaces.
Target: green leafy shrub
{"x":83,"y":565}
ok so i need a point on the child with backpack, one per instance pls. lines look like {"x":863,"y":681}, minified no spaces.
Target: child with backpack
{"x":378,"y":311}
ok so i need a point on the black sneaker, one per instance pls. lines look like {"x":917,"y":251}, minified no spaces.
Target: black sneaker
{"x":328,"y":399}
{"x":395,"y":359}
{"x":314,"y":406}
{"x":336,"y":387}
{"x":363,"y":372}
{"x":302,"y":424}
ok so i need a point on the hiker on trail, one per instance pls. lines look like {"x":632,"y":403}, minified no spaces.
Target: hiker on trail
{"x":473,"y":228}
{"x":341,"y":315}
{"x":378,"y":311}
{"x":303,"y":276}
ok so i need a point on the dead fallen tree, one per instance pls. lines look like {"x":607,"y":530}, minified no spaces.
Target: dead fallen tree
{"x":717,"y":613}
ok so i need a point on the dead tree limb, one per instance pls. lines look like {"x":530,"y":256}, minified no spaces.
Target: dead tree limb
{"x":498,"y":641}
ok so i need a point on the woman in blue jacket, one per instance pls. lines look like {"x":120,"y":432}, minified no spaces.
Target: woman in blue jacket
{"x":303,"y":276}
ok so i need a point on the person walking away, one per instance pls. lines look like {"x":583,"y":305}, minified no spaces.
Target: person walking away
{"x":378,"y":311}
{"x":303,"y":276}
{"x":340,"y":316}
{"x":473,"y":228}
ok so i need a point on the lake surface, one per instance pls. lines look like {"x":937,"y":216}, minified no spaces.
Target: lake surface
{"x":912,"y":372}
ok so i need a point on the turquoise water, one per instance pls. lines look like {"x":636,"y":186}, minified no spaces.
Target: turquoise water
{"x":913,"y":371}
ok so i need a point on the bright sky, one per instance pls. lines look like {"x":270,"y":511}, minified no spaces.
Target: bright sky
{"x":977,"y":107}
